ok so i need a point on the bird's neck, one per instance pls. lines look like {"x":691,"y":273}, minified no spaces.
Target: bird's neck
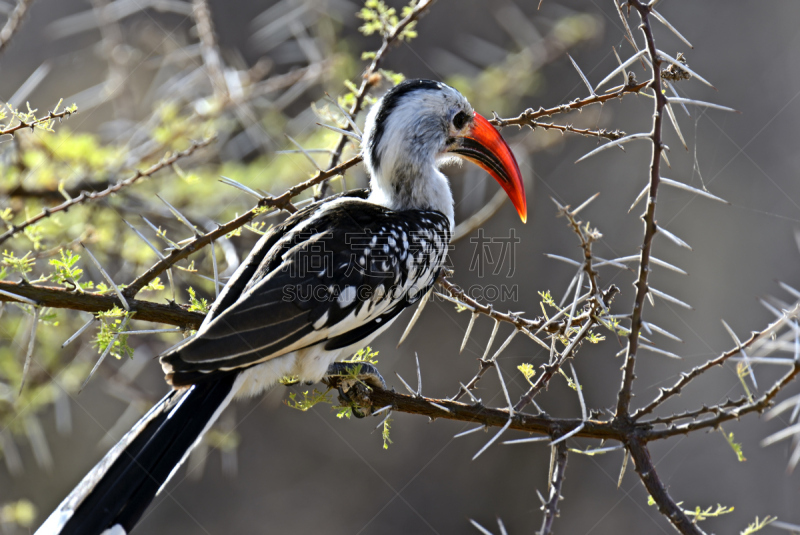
{"x":412,"y":187}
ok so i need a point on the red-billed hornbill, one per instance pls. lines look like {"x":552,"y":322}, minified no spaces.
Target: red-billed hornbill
{"x":314,"y":290}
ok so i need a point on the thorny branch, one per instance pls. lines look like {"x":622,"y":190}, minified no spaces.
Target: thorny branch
{"x":638,"y":450}
{"x":487,"y":416}
{"x":637,"y":432}
{"x":87,"y":196}
{"x":51,"y":116}
{"x":529,"y":117}
{"x":608,"y":134}
{"x":596,"y":307}
{"x":686,"y":378}
{"x":51,"y":296}
{"x":666,"y":505}
{"x":550,"y":507}
{"x":660,"y":101}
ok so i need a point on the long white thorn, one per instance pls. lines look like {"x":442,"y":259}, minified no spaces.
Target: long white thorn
{"x":619,"y":62}
{"x":561,"y":313}
{"x":571,"y":285}
{"x":122,"y":299}
{"x":686,"y":187}
{"x":742,"y":351}
{"x":660,"y":351}
{"x":585,"y":203}
{"x":639,"y":198}
{"x":791,"y":290}
{"x":653,"y":260}
{"x":493,"y":439}
{"x":505,"y":391}
{"x":584,"y":416}
{"x":781,"y":435}
{"x":674,"y":121}
{"x":469,"y":393}
{"x":661,"y":331}
{"x":564,"y":259}
{"x":78,"y":332}
{"x":692,"y":102}
{"x":469,"y":431}
{"x":238,"y":185}
{"x":180,"y":216}
{"x":469,"y":330}
{"x":670,"y":27}
{"x":673,"y":238}
{"x":341,"y":131}
{"x":160,"y":234}
{"x":419,"y":376}
{"x":603,"y":262}
{"x":305,"y":153}
{"x":491,"y":339}
{"x":19,"y":297}
{"x":405,"y":384}
{"x":171,"y":284}
{"x":785,"y":526}
{"x":621,"y":68}
{"x":29,"y":353}
{"x":480,"y":528}
{"x":501,"y":526}
{"x":794,"y":459}
{"x":624,"y":466}
{"x":596,"y":451}
{"x":615,"y":143}
{"x":505,"y":344}
{"x":415,"y":317}
{"x":144,"y":239}
{"x":445,"y":409}
{"x":676,"y":95}
{"x":667,"y":297}
{"x":684,"y":67}
{"x":382,"y":409}
{"x":527,"y":440}
{"x":154,"y":331}
{"x":99,"y":361}
{"x":575,"y":299}
{"x":347,"y":116}
{"x":583,"y":77}
{"x":216,"y":270}
{"x":568,"y":435}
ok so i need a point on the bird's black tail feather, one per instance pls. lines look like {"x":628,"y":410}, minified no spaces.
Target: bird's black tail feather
{"x":121,"y":486}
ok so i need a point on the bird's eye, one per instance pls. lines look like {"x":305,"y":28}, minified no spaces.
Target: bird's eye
{"x":460,"y":120}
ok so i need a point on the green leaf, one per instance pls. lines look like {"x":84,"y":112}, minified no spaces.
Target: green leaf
{"x":736,"y":447}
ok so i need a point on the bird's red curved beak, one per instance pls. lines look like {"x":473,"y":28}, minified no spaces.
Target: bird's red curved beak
{"x":483,"y":145}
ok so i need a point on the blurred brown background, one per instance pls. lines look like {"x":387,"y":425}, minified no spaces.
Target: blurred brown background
{"x":311,"y":473}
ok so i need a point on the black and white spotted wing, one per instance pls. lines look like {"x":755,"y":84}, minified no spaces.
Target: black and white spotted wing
{"x":332,"y":274}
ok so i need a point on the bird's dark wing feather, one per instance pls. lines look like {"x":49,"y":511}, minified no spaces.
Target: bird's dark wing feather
{"x":333,"y":274}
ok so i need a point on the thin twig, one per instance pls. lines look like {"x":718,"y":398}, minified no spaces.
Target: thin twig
{"x":527,"y":117}
{"x":559,"y":453}
{"x":13,"y":23}
{"x":91,"y":196}
{"x":660,"y":101}
{"x":368,"y":80}
{"x":51,"y":116}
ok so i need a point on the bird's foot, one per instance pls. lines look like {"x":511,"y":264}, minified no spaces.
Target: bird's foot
{"x":341,"y":373}
{"x":354,"y":381}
